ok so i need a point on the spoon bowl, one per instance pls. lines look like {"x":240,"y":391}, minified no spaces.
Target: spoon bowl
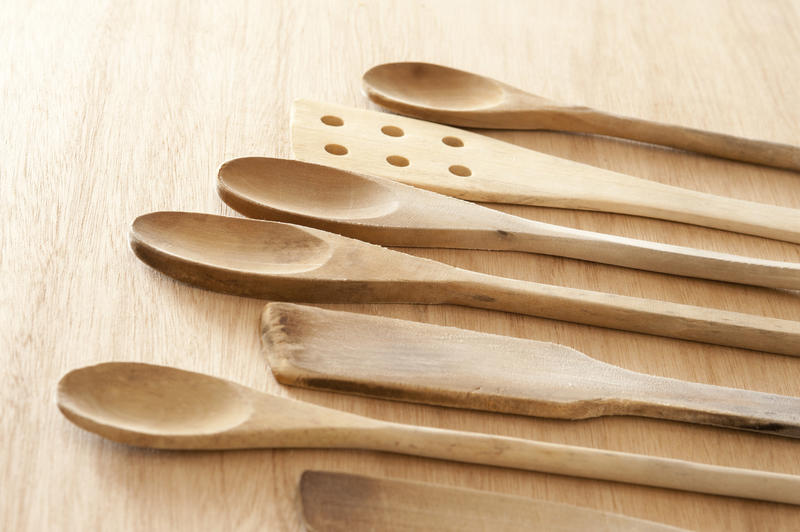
{"x":228,"y":243}
{"x":144,"y":399}
{"x":291,"y":186}
{"x":432,"y":86}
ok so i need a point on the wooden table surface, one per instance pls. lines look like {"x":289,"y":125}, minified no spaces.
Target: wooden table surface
{"x":112,"y":109}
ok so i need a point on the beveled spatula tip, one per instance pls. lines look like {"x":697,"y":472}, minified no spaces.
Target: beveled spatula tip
{"x":276,"y":338}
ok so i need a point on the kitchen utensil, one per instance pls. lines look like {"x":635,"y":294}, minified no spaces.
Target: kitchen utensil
{"x":287,"y":262}
{"x":478,"y":168}
{"x":168,"y":408}
{"x":403,"y":360}
{"x":389,"y":213}
{"x":442,"y":94}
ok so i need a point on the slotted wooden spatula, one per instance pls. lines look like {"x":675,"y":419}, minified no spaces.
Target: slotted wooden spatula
{"x":339,"y":502}
{"x":478,"y":168}
{"x":408,"y":361}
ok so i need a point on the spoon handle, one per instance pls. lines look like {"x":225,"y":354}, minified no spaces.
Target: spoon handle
{"x":587,"y":120}
{"x":649,"y":316}
{"x":652,"y":256}
{"x":587,"y":463}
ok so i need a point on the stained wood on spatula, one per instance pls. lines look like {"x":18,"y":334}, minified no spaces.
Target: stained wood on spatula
{"x":478,"y":168}
{"x":285,"y":262}
{"x":340,"y":502}
{"x":407,"y":361}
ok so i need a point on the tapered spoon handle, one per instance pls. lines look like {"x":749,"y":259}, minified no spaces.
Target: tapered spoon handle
{"x":650,"y":316}
{"x":588,"y":463}
{"x":586,"y":120}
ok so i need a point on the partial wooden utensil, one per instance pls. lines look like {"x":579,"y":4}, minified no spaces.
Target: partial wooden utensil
{"x":168,"y":408}
{"x":408,"y":361}
{"x":285,"y":262}
{"x":339,"y":502}
{"x":478,"y":168}
{"x":442,"y":94}
{"x":389,"y":213}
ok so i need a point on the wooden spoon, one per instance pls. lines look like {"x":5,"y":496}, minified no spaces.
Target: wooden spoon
{"x":338,"y":502}
{"x":450,"y":96}
{"x":168,"y":408}
{"x":285,"y":262}
{"x":389,"y":213}
{"x":478,"y":168}
{"x":408,"y":361}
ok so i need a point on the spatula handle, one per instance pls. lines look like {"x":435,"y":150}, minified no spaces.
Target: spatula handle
{"x":652,"y":256}
{"x":588,"y":463}
{"x":649,"y":316}
{"x":624,"y":194}
{"x":586,"y":120}
{"x":655,"y":200}
{"x":711,"y":405}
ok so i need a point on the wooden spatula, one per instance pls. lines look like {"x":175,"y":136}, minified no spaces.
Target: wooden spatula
{"x":340,"y":502}
{"x":478,"y":168}
{"x":403,"y":360}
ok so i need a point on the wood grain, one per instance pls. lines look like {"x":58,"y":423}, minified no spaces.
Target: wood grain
{"x":112,"y":109}
{"x":337,"y":502}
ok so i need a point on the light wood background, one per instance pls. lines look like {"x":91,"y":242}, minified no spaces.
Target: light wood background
{"x":111,"y":109}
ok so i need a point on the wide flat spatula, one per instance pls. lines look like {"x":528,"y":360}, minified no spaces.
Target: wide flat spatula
{"x":475,"y":167}
{"x":408,"y":361}
{"x":339,"y":502}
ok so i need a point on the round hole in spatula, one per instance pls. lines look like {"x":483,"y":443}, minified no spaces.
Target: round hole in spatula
{"x":336,"y":149}
{"x":455,"y":142}
{"x":397,"y":160}
{"x":461,"y":171}
{"x":392,"y":131}
{"x":330,"y":120}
